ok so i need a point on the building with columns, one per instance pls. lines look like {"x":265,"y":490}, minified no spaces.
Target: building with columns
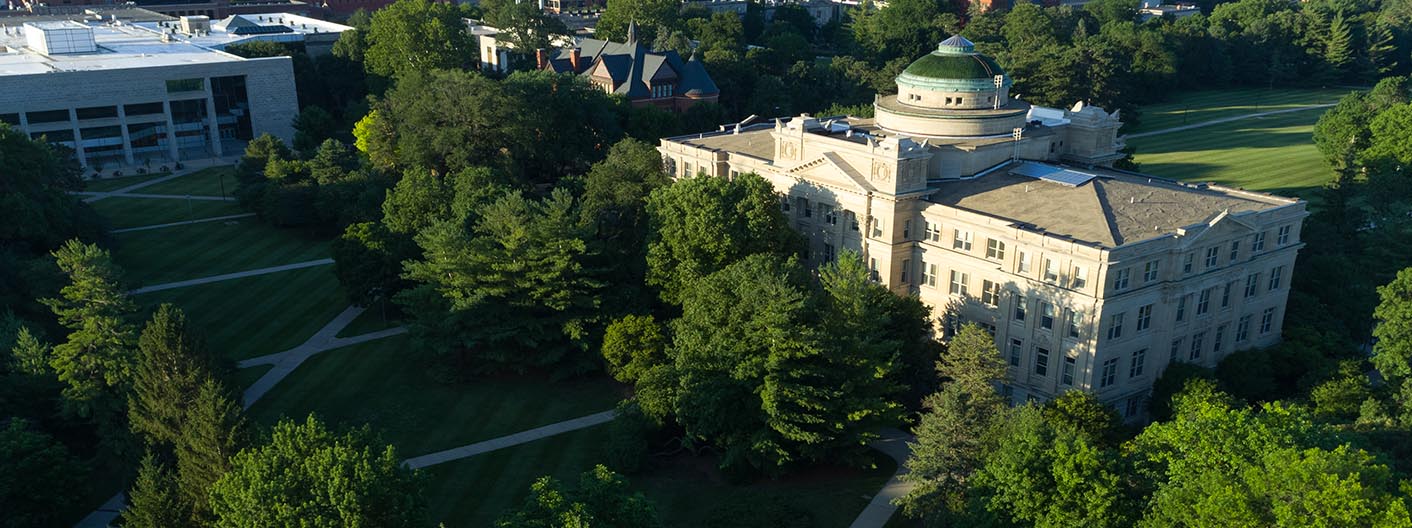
{"x":1009,"y":215}
{"x":123,"y":94}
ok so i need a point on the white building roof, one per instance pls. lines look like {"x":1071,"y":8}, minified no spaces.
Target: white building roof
{"x":119,"y":47}
{"x":236,"y":29}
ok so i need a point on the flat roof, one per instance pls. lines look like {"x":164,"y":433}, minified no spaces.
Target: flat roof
{"x":120,"y":47}
{"x":237,"y":29}
{"x":1110,"y":209}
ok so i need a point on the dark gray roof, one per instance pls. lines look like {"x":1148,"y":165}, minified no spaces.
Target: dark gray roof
{"x":632,"y":65}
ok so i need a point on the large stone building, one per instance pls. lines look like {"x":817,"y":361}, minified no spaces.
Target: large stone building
{"x":1005,"y":214}
{"x":123,"y":94}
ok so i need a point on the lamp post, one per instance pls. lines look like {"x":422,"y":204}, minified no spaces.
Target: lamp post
{"x":999,"y":83}
{"x":1017,"y":133}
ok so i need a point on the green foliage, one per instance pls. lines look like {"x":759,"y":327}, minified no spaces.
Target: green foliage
{"x":1341,"y":398}
{"x":972,"y":361}
{"x":97,"y":360}
{"x":416,"y":36}
{"x":905,"y":29}
{"x":38,"y":477}
{"x":307,"y":475}
{"x":647,"y":14}
{"x":1392,"y":353}
{"x":172,"y":362}
{"x":700,"y":225}
{"x":367,"y":259}
{"x":601,"y":498}
{"x":213,"y":430}
{"x":154,"y":501}
{"x":628,"y":437}
{"x":523,"y":25}
{"x":312,"y":126}
{"x":1081,"y":413}
{"x":511,"y":292}
{"x":1173,"y":380}
{"x":329,"y":189}
{"x":632,"y":345}
{"x":615,"y":207}
{"x":951,"y":438}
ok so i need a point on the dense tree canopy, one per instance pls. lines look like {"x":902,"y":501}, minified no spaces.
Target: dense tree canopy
{"x":416,"y":36}
{"x":38,"y":476}
{"x":601,"y":498}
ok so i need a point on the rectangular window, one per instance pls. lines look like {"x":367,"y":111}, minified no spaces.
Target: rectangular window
{"x":1203,"y":302}
{"x":829,"y":257}
{"x":877,"y":227}
{"x":928,"y":274}
{"x":1041,"y":361}
{"x":1283,"y":237}
{"x":47,"y":116}
{"x":1016,"y":348}
{"x":1019,"y":308}
{"x":784,"y":204}
{"x":1267,"y":321}
{"x":97,"y":112}
{"x":1115,"y":326}
{"x":1176,"y":349}
{"x":1218,"y":338}
{"x":143,"y":109}
{"x":1067,"y":377}
{"x":1132,"y":407}
{"x":1197,"y":342}
{"x":989,"y":328}
{"x":1144,"y":317}
{"x":186,"y":85}
{"x":906,"y":263}
{"x":961,"y":240}
{"x":1226,"y":294}
{"x":990,"y":293}
{"x":1120,"y":279}
{"x":1235,"y":250}
{"x":1186,"y":262}
{"x":1243,"y":328}
{"x":873,"y":269}
{"x":907,"y":230}
{"x":1046,"y":315}
{"x":1213,"y":254}
{"x":1252,"y":284}
{"x":1149,"y":271}
{"x":994,"y":249}
{"x":958,"y":282}
{"x":852,"y":220}
{"x":1079,"y":278}
{"x":1258,"y":244}
{"x":807,"y":207}
{"x":1051,"y":271}
{"x":1073,"y":319}
{"x":1181,"y":308}
{"x":1277,"y":274}
{"x":1023,"y":263}
{"x":1138,"y":363}
{"x":830,"y":215}
{"x":1110,"y":373}
{"x":933,"y":232}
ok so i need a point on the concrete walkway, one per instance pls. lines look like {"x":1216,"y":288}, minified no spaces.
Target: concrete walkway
{"x":898,"y":445}
{"x":200,"y":198}
{"x":1227,"y":120}
{"x":522,"y":437}
{"x":324,"y":340}
{"x":188,"y":167}
{"x":230,"y":276}
{"x":182,"y":223}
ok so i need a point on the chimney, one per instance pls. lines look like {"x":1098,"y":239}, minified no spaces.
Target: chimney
{"x":574,"y":59}
{"x":539,"y":58}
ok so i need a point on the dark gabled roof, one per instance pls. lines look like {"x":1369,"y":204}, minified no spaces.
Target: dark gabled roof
{"x":695,"y":80}
{"x":632,"y":66}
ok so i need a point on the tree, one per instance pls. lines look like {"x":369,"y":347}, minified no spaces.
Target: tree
{"x":648,"y":15}
{"x":699,"y":225}
{"x":97,"y":360}
{"x":523,"y":25}
{"x":904,"y":29}
{"x":1081,"y":413}
{"x":602,"y":498}
{"x":972,"y":361}
{"x":312,"y":127}
{"x":154,"y":501}
{"x":309,"y":476}
{"x":615,"y":210}
{"x":417,"y":36}
{"x":632,"y":345}
{"x":1339,"y":52}
{"x":213,"y":431}
{"x":257,"y":156}
{"x":39,"y":479}
{"x":445,"y":120}
{"x":1174,"y":379}
{"x":172,"y":363}
{"x":512,"y":292}
{"x":1392,"y":353}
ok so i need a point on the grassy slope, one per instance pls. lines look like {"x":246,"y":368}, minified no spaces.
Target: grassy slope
{"x":1194,"y":107}
{"x":112,"y":184}
{"x":134,"y":212}
{"x":202,"y":250}
{"x":393,"y":387}
{"x":207,"y":182}
{"x":254,"y":316}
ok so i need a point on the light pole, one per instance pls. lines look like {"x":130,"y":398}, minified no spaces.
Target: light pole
{"x":1017,"y":133}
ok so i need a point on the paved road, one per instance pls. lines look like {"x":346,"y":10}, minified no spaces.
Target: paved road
{"x":522,"y":437}
{"x":898,"y":445}
{"x":229,"y":276}
{"x":182,"y":223}
{"x":1226,"y":120}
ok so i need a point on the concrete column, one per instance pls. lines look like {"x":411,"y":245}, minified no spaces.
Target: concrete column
{"x":127,"y":140}
{"x":172,"y":149}
{"x":211,"y":120}
{"x":78,"y":138}
{"x":24,"y":123}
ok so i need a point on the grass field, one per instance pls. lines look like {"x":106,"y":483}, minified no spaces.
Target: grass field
{"x":687,"y":490}
{"x":213,"y":248}
{"x":205,"y":182}
{"x":395,"y":388}
{"x":111,"y":184}
{"x":123,"y":212}
{"x":260,"y":315}
{"x":1186,"y":108}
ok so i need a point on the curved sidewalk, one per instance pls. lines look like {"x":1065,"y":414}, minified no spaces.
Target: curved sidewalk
{"x":1227,"y":120}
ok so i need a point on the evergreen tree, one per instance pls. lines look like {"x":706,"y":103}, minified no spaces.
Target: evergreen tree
{"x":39,"y":479}
{"x":1339,"y":52}
{"x":213,"y":431}
{"x":972,"y":361}
{"x":1392,"y":353}
{"x":172,"y":363}
{"x":154,"y":501}
{"x":97,"y":360}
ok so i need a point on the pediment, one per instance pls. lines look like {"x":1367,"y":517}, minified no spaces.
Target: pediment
{"x":1220,"y":227}
{"x":830,"y":169}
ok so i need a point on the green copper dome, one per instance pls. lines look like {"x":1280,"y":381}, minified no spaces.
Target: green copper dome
{"x":954,"y":66}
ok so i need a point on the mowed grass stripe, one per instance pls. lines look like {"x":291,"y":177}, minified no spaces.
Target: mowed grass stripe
{"x":207,"y":182}
{"x":254,"y":316}
{"x":121,"y":211}
{"x":1274,"y":153}
{"x":395,"y":387}
{"x":113,"y":184}
{"x":1217,"y":104}
{"x":203,"y":250}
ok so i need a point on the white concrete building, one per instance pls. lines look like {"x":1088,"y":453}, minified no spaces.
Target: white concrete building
{"x":315,"y":36}
{"x":122,"y":94}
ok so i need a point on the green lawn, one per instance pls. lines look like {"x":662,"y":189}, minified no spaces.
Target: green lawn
{"x":687,"y":490}
{"x":397,"y":389}
{"x":259,"y":315}
{"x":212,"y":248}
{"x":205,"y":182}
{"x":1186,"y":108}
{"x":1274,"y":154}
{"x":112,"y":184}
{"x":246,"y":377}
{"x":371,"y":320}
{"x":123,"y":212}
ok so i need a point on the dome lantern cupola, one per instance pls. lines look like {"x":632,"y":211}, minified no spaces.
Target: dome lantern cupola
{"x":952,"y":91}
{"x":956,"y":45}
